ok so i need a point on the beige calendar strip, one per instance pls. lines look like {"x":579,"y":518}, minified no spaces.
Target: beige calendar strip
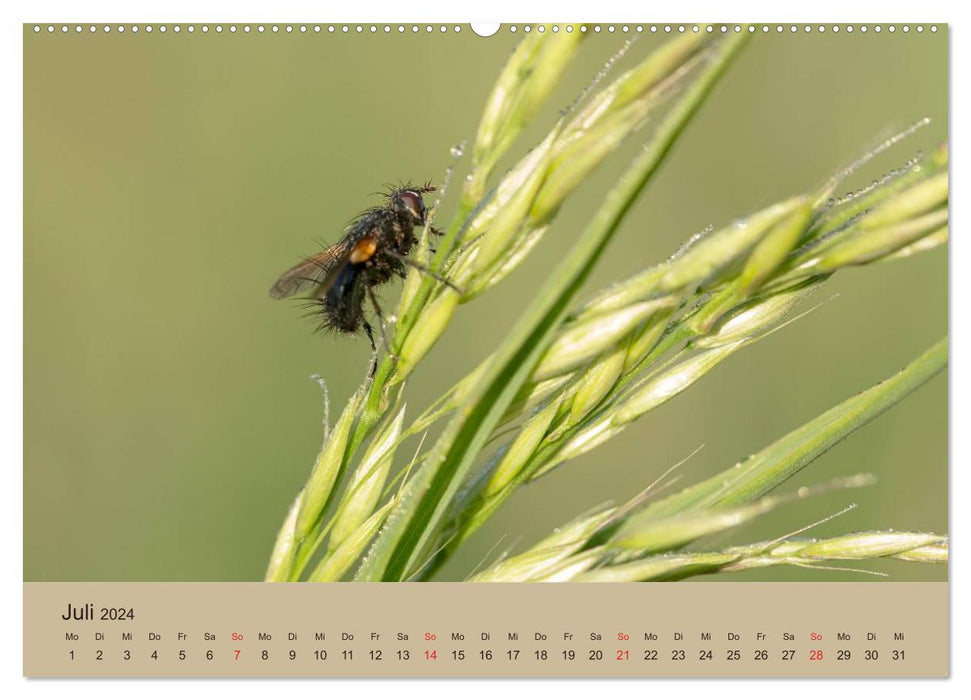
{"x":483,"y":630}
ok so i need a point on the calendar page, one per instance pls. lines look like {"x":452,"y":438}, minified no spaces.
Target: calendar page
{"x":485,"y":350}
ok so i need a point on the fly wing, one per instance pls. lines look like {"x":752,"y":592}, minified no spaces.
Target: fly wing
{"x":312,"y":272}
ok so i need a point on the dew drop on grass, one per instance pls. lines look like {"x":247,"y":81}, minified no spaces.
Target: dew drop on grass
{"x":323,"y":387}
{"x":688,"y":244}
{"x":877,"y":150}
{"x":910,"y":165}
{"x":457,"y":151}
{"x":598,"y":78}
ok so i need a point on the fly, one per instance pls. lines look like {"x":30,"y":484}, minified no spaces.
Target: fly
{"x":374,"y":248}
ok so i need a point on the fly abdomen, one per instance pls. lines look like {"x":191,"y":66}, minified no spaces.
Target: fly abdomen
{"x":344,"y":299}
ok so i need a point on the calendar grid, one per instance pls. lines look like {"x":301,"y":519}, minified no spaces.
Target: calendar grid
{"x":468,"y":630}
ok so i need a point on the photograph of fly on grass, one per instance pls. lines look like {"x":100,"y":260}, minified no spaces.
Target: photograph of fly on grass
{"x":576,"y":305}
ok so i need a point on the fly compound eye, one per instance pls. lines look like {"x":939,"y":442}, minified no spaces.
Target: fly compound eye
{"x":410,"y":203}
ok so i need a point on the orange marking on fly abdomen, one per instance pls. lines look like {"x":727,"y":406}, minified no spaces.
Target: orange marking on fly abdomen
{"x":363,"y":250}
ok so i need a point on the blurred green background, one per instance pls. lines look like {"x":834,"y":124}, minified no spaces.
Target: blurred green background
{"x":169,"y":415}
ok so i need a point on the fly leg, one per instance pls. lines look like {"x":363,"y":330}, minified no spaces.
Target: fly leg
{"x":381,"y":324}
{"x":426,"y":271}
{"x":374,"y":350}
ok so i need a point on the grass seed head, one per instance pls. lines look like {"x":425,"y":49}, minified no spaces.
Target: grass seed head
{"x":873,"y":244}
{"x":281,"y":559}
{"x":716,"y":251}
{"x":339,"y":561}
{"x":583,"y":341}
{"x":597,"y":382}
{"x":325,"y":471}
{"x":668,"y":383}
{"x":529,"y":437}
{"x":366,"y":483}
{"x":524,"y":84}
{"x":434,"y":319}
{"x":916,"y":200}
